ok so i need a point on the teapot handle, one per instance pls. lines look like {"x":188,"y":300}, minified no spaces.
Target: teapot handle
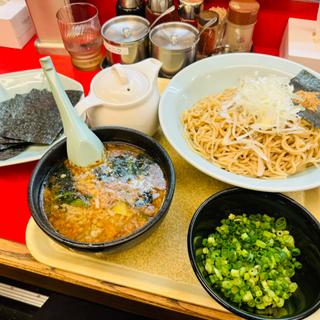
{"x":85,"y":104}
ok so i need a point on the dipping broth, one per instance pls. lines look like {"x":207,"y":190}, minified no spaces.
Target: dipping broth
{"x":106,"y":201}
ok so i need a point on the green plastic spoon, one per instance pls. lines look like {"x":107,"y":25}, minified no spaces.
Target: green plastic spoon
{"x":83,"y":146}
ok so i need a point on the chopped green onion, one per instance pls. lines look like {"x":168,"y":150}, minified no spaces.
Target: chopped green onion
{"x":281,"y":223}
{"x":251,"y":259}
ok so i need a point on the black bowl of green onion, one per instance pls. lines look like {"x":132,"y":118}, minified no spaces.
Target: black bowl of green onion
{"x":257,"y":254}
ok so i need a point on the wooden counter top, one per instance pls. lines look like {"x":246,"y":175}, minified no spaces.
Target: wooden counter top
{"x":16,"y":262}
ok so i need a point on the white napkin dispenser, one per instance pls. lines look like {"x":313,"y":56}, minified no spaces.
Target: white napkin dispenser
{"x":16,"y":27}
{"x":301,"y":43}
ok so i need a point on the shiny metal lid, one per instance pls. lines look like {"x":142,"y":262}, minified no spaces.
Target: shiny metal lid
{"x":124,"y":29}
{"x":130,"y":4}
{"x":174,"y":35}
{"x":159,"y":6}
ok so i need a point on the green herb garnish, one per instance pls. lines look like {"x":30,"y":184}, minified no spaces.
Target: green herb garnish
{"x":124,"y":166}
{"x":250,"y":259}
{"x":64,"y":191}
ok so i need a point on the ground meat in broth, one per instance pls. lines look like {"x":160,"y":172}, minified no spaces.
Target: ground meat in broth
{"x":107,"y":201}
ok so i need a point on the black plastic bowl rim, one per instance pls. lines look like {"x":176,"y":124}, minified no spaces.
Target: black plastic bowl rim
{"x":200,"y":277}
{"x":101,"y":246}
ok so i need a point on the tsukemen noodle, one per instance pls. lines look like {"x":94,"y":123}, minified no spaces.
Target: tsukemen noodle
{"x":257,"y":129}
{"x":106,"y":201}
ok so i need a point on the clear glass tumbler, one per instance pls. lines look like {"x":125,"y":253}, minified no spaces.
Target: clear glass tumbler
{"x":80,"y":30}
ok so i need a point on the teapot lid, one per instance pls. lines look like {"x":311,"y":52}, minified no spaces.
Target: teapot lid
{"x":121,"y":85}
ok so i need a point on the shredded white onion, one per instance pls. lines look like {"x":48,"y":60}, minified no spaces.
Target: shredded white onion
{"x":270,"y":100}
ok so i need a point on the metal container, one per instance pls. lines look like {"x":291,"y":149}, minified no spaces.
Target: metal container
{"x":130,"y":7}
{"x":175,"y":45}
{"x":130,"y":4}
{"x":126,"y":39}
{"x":159,"y":6}
{"x":190,"y":9}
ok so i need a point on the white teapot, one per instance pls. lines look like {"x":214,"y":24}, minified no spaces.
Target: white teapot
{"x":124,"y":95}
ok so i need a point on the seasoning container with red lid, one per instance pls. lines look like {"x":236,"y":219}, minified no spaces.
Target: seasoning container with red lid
{"x":208,"y":38}
{"x":242,"y":17}
{"x":189,"y":10}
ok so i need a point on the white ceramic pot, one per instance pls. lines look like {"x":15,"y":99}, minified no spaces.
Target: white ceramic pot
{"x":124,"y":95}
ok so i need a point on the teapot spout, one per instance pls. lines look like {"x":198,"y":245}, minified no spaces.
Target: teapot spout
{"x":150,"y":67}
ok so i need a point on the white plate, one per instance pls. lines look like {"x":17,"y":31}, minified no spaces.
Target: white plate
{"x":22,"y":82}
{"x":210,"y":76}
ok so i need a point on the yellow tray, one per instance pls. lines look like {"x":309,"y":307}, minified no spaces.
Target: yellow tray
{"x":160,"y":264}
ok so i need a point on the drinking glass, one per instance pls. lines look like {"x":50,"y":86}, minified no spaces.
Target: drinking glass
{"x":80,"y":30}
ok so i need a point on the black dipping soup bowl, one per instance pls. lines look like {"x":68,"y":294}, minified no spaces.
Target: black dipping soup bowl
{"x":301,"y":224}
{"x":58,"y":153}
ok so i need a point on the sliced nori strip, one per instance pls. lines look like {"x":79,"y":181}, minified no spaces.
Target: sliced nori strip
{"x":5,"y":140}
{"x":33,"y":117}
{"x":306,"y":81}
{"x":9,"y":145}
{"x":13,"y":151}
{"x":74,"y":96}
{"x":311,"y":116}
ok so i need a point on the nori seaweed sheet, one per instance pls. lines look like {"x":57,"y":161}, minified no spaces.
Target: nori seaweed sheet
{"x":74,"y":96}
{"x":4,"y":140}
{"x":12,"y":151}
{"x":33,"y":117}
{"x":306,"y":81}
{"x":9,"y":145}
{"x":311,"y":116}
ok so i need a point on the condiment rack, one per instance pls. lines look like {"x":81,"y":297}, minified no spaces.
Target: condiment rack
{"x":230,"y":30}
{"x":233,"y":29}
